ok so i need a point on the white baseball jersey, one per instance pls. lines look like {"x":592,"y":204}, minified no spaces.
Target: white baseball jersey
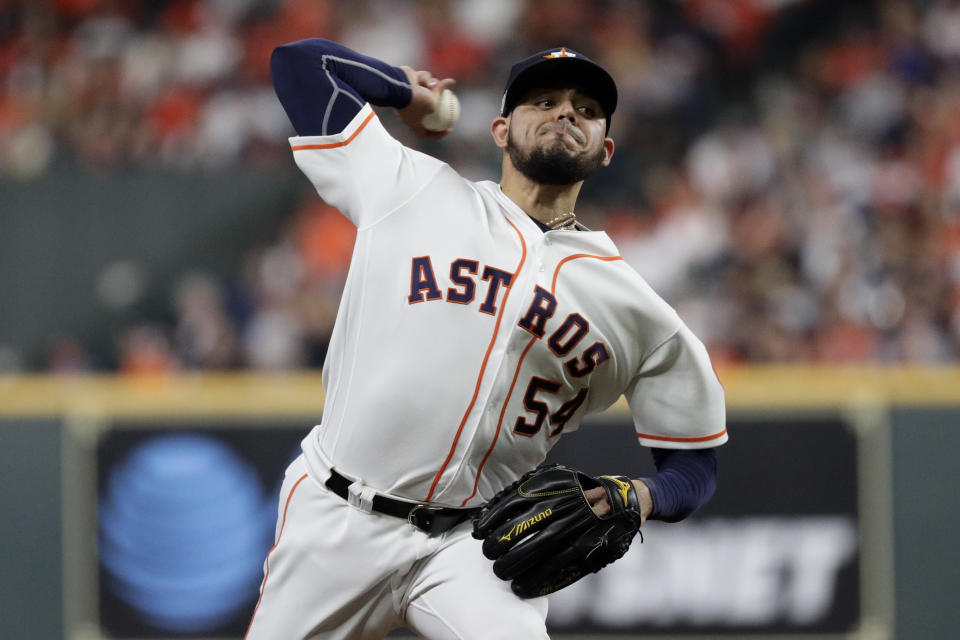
{"x":468,"y":340}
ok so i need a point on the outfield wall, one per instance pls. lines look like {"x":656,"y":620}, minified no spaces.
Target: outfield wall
{"x":836,"y":513}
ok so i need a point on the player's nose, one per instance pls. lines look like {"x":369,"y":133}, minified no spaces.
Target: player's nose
{"x":566,"y":109}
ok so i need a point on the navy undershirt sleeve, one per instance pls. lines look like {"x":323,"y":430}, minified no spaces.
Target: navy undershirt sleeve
{"x":322,"y":85}
{"x":685,"y":480}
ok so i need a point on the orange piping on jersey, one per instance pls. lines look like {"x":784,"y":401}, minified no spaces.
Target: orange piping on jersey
{"x":332,"y":145}
{"x":266,"y":573}
{"x":674,"y":439}
{"x":503,"y":410}
{"x":553,"y":286}
{"x":516,"y":374}
{"x":483,"y":365}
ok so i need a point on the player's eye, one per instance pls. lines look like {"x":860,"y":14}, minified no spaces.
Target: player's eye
{"x":545,"y":103}
{"x":587,"y":111}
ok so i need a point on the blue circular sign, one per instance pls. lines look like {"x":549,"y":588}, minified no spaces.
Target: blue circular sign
{"x":183,"y":532}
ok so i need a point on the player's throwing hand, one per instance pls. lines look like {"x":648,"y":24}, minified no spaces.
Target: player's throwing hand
{"x":426,"y":97}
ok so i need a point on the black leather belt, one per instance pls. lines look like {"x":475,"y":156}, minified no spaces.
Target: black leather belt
{"x":433,"y":520}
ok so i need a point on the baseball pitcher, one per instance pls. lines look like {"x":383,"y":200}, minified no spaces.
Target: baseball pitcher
{"x":480,"y":321}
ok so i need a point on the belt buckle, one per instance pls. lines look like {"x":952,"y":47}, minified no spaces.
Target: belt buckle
{"x":413,"y":511}
{"x":413,"y":519}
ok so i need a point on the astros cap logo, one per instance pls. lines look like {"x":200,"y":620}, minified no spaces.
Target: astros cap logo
{"x":563,"y":53}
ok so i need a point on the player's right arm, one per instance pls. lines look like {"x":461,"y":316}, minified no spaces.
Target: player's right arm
{"x":326,"y":90}
{"x":322,"y":85}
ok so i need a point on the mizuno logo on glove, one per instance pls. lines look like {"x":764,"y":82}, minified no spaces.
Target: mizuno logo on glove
{"x":523,"y":525}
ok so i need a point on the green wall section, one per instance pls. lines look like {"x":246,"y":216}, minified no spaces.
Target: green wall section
{"x":31,"y":598}
{"x":926,"y":502}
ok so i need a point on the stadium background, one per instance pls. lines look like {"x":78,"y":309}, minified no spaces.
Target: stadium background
{"x":787,"y":177}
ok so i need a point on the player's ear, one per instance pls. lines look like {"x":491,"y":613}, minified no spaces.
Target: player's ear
{"x":608,"y":147}
{"x":499,"y":130}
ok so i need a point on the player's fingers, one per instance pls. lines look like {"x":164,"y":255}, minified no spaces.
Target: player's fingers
{"x":446,"y":83}
{"x":595,"y":494}
{"x":426,"y":79}
{"x":598,"y":500}
{"x":601,"y":508}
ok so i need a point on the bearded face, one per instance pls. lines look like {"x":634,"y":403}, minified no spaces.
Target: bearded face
{"x":550,"y":162}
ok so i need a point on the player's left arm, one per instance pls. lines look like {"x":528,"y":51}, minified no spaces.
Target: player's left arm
{"x":686,"y":479}
{"x":678,"y":407}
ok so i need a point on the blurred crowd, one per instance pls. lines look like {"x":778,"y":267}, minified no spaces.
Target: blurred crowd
{"x":787,"y":172}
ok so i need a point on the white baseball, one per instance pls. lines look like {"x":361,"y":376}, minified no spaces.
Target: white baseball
{"x":446,"y":113}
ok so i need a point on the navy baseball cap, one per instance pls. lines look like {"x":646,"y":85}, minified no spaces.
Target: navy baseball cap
{"x":560,"y":67}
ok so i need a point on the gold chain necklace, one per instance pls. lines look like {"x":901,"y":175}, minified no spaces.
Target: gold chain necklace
{"x":563,"y":222}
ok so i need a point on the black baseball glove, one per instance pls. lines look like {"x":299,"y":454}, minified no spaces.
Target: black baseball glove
{"x":543,"y":535}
